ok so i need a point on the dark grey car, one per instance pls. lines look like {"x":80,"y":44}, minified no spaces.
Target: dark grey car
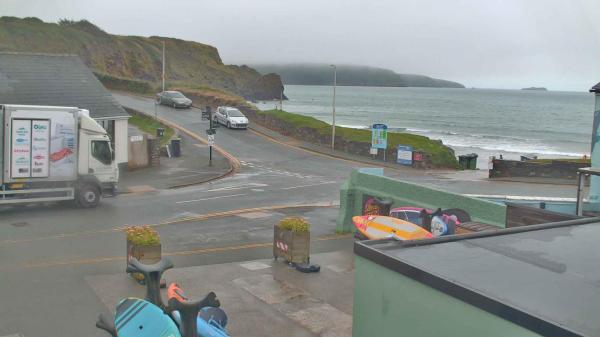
{"x":174,"y":99}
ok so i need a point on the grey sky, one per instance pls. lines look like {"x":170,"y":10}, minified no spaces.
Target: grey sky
{"x":491,"y":43}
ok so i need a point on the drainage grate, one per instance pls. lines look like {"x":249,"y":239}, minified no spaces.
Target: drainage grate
{"x":19,"y":224}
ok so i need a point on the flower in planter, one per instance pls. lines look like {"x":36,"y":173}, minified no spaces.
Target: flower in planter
{"x":294,"y":224}
{"x":142,"y":235}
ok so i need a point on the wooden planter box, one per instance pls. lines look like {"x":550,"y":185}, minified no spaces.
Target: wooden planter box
{"x":145,"y":254}
{"x":292,"y":247}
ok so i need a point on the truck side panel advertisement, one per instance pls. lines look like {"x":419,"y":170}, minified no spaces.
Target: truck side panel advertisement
{"x":40,"y":148}
{"x":21,"y":149}
{"x":43,"y":144}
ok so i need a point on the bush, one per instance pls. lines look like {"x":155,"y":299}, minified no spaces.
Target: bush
{"x":294,"y":224}
{"x":142,"y":235}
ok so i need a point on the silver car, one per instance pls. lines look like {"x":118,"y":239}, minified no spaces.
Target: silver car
{"x":232,"y":117}
{"x":174,"y":99}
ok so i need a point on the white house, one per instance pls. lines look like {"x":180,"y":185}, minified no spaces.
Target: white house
{"x":63,"y":80}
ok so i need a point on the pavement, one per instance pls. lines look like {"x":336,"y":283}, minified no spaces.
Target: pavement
{"x":192,"y":168}
{"x":261,"y":297}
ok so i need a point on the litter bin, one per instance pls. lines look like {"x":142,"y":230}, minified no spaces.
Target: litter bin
{"x":176,"y":147}
{"x":468,"y":161}
{"x":160,"y":132}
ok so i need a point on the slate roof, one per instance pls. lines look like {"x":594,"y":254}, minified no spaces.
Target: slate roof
{"x":54,"y":79}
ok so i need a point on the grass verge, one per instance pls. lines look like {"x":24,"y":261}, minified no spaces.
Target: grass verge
{"x":441,"y":155}
{"x":149,"y":125}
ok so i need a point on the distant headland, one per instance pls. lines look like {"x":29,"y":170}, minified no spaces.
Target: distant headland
{"x":536,"y":88}
{"x":350,"y":75}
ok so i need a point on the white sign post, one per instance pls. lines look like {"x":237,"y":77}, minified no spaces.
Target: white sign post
{"x":211,"y":140}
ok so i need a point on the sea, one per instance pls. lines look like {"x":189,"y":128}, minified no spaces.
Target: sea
{"x":488,"y":122}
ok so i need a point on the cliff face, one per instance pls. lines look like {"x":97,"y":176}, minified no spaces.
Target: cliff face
{"x":322,"y":74}
{"x":188,"y":64}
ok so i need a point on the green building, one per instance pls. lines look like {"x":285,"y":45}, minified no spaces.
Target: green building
{"x":540,"y":280}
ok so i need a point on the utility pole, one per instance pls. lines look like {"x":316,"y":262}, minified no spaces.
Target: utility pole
{"x":163,"y":66}
{"x":333,"y":112}
{"x":210,"y":126}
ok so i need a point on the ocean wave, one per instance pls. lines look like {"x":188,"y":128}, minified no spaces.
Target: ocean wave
{"x":537,"y":149}
{"x":353,"y":126}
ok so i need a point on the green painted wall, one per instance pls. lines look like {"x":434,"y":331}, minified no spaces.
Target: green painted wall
{"x":388,"y":304}
{"x":409,"y":194}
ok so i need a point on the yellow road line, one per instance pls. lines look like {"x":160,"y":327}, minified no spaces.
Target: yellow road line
{"x":173,"y":253}
{"x":163,"y":223}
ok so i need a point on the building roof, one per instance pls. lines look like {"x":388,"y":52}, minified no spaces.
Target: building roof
{"x":544,"y":278}
{"x":595,"y":88}
{"x":54,"y":79}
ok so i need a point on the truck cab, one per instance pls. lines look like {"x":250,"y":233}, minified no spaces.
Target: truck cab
{"x":98,"y":173}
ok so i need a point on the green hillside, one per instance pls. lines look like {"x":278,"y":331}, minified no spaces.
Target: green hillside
{"x":322,"y":74}
{"x":189,"y":64}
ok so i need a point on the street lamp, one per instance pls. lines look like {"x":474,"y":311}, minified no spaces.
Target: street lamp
{"x":163,"y":66}
{"x":333,"y":112}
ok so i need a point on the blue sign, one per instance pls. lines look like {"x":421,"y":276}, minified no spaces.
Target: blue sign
{"x":379,"y":136}
{"x":405,"y":153}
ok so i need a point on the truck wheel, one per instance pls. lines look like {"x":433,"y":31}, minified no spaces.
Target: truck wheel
{"x":88,"y":196}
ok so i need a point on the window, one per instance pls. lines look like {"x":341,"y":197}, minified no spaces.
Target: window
{"x":400,"y":215}
{"x":109,"y":126}
{"x":414,"y":217}
{"x":101,"y":151}
{"x":234,"y":113}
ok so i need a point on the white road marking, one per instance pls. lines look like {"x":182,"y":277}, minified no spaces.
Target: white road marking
{"x":203,"y":199}
{"x":309,"y":185}
{"x":236,"y":187}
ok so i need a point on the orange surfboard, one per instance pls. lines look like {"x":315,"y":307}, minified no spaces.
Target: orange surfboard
{"x":379,"y":227}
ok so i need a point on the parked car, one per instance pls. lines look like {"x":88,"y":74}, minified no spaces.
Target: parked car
{"x":410,"y":214}
{"x":415,"y":214}
{"x":232,"y":117}
{"x":174,"y":99}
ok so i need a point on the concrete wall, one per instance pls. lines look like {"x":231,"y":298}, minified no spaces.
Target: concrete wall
{"x":121,"y":141}
{"x":525,"y":169}
{"x":388,"y":304}
{"x":138,"y":152}
{"x":408,"y":194}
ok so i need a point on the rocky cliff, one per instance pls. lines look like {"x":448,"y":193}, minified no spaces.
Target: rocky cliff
{"x":188,"y":64}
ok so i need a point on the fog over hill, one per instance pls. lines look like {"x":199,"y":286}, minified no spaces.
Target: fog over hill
{"x":350,"y":75}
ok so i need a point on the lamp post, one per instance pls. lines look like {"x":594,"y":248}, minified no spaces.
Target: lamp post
{"x":333,"y":111}
{"x":163,"y":66}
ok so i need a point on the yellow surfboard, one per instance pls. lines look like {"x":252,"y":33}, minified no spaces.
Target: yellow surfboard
{"x":379,"y":227}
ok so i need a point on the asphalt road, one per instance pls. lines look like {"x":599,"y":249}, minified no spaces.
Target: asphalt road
{"x":47,"y":251}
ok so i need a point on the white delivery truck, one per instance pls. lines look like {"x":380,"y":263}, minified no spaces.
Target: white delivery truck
{"x":50,"y":153}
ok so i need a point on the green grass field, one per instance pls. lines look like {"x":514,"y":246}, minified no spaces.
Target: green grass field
{"x":441,"y":155}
